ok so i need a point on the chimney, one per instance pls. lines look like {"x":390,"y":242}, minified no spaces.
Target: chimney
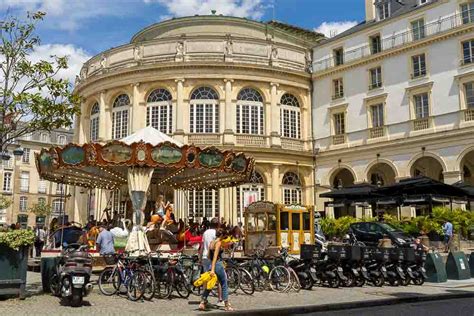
{"x":369,"y":10}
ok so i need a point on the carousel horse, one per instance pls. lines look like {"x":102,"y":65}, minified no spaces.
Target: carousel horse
{"x":121,"y":232}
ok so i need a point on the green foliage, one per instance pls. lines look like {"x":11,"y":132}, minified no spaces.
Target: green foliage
{"x":17,"y":238}
{"x":337,"y":227}
{"x":41,"y":209}
{"x":33,"y":97}
{"x":4,"y":202}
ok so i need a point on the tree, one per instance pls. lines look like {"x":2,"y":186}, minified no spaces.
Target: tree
{"x":32,"y":96}
{"x":41,"y":209}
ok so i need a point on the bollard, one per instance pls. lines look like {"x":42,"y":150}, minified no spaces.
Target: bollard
{"x":457,"y":266}
{"x":47,"y":266}
{"x":435,"y":268}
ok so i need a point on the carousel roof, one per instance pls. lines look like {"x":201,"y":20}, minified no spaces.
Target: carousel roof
{"x":186,"y":167}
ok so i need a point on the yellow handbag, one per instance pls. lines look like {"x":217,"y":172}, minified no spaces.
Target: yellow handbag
{"x":203,"y":278}
{"x":212,"y":282}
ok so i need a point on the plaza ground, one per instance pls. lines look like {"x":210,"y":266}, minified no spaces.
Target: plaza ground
{"x":44,"y":304}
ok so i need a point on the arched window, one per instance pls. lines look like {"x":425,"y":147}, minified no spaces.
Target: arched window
{"x":62,"y":139}
{"x":159,"y":111}
{"x":120,"y":110}
{"x":250,"y":118}
{"x":203,"y":203}
{"x":290,"y":116}
{"x":291,"y":188}
{"x":204,"y":111}
{"x":256,"y":192}
{"x":94,"y":130}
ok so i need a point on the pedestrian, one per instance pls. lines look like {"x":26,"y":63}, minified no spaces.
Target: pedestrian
{"x":419,"y":246}
{"x":40,"y":237}
{"x":216,"y":248}
{"x":105,"y":242}
{"x":448,"y":234}
{"x":207,"y":238}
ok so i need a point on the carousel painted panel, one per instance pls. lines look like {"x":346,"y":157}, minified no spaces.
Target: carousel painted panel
{"x":116,"y":152}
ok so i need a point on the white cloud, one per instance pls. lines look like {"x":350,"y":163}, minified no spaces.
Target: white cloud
{"x":331,"y":29}
{"x":76,"y":58}
{"x":66,"y":15}
{"x":253,"y":9}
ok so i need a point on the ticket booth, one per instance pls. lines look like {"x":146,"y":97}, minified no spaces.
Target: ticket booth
{"x":270,"y":225}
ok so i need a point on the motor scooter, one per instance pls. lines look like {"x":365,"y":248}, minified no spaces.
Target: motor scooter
{"x":71,"y":277}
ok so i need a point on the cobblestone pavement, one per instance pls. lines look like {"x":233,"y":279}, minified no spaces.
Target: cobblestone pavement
{"x":44,"y":304}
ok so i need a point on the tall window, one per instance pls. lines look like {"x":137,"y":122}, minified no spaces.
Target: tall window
{"x":467,"y":12}
{"x":57,"y":207}
{"x":383,"y":10}
{"x":339,"y":124}
{"x":120,"y":116}
{"x":250,"y":119}
{"x":375,"y":78}
{"x":377,"y":115}
{"x":62,"y":139}
{"x":42,"y":186}
{"x":419,"y":66}
{"x":468,"y":51}
{"x":375,"y":44}
{"x":44,"y":137}
{"x":290,"y":116}
{"x":257,"y":185}
{"x":28,"y":136}
{"x":338,"y":88}
{"x":338,"y":56}
{"x":7,"y":181}
{"x":95,"y":114}
{"x":24,"y":181}
{"x":159,"y":111}
{"x":422,"y":108}
{"x":41,"y":201}
{"x":418,"y":29}
{"x":26,"y":155}
{"x":8,"y":164}
{"x":60,"y":187}
{"x":23,"y":203}
{"x":204,"y":111}
{"x":291,"y":189}
{"x":469,"y":89}
{"x":203,"y":203}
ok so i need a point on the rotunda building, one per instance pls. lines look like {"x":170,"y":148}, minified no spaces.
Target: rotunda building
{"x":220,"y":81}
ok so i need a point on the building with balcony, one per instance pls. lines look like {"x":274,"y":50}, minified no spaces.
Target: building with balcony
{"x":212,"y":80}
{"x":21,"y":183}
{"x":393,"y":97}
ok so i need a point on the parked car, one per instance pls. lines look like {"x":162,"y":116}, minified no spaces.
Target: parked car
{"x":371,"y":232}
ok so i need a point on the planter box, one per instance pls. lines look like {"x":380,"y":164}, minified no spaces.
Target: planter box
{"x":13,"y":268}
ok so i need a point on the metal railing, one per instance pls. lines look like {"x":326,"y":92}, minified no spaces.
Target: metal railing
{"x":419,"y":74}
{"x":339,"y":139}
{"x":377,"y":132}
{"x":420,"y":124}
{"x":251,"y":140}
{"x":338,"y":95}
{"x":443,"y":24}
{"x":375,"y":85}
{"x":469,"y":115}
{"x":204,"y":139}
{"x":292,"y":144}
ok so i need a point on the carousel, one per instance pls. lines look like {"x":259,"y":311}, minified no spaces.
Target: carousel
{"x":133,"y":163}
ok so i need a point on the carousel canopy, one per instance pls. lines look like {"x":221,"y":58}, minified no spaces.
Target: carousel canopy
{"x":186,"y":167}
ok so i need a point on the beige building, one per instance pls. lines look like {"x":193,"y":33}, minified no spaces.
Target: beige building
{"x":394,"y":97}
{"x":21,"y":182}
{"x":212,"y":81}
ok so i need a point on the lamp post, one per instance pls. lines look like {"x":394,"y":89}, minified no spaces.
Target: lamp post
{"x":17,"y":153}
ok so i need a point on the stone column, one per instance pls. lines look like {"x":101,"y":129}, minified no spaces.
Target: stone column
{"x":229,"y":112}
{"x":275,"y":140}
{"x":306,"y":126}
{"x":138,"y":109}
{"x":276,"y":194}
{"x":182,"y":111}
{"x":105,"y":119}
{"x":84,"y":129}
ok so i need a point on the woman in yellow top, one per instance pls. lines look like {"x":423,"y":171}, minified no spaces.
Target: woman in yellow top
{"x":217,"y":268}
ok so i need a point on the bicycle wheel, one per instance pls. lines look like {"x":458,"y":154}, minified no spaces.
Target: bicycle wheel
{"x":109,"y":281}
{"x":233,"y":279}
{"x":181,"y":285}
{"x":280,"y":279}
{"x":259,"y":276}
{"x":295,"y":281}
{"x":192,"y":274}
{"x":163,"y":286}
{"x":136,"y":286}
{"x":246,"y":282}
{"x":149,"y":286}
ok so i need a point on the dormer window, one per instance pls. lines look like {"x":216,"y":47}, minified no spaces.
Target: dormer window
{"x":383,"y":10}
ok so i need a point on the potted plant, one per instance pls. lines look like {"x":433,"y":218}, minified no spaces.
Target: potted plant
{"x":14,"y":245}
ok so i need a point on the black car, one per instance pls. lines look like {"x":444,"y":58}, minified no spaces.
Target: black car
{"x":371,"y":232}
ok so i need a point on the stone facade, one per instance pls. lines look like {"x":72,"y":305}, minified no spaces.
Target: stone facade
{"x":211,"y":81}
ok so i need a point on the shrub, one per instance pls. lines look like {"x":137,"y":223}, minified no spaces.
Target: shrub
{"x":17,"y":238}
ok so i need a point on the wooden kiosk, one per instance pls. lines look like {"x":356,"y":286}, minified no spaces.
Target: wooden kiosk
{"x":269,"y":225}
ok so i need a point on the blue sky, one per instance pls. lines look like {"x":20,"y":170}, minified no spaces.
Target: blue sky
{"x":83,"y":28}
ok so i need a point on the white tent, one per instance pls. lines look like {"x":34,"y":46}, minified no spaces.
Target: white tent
{"x":149,"y":135}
